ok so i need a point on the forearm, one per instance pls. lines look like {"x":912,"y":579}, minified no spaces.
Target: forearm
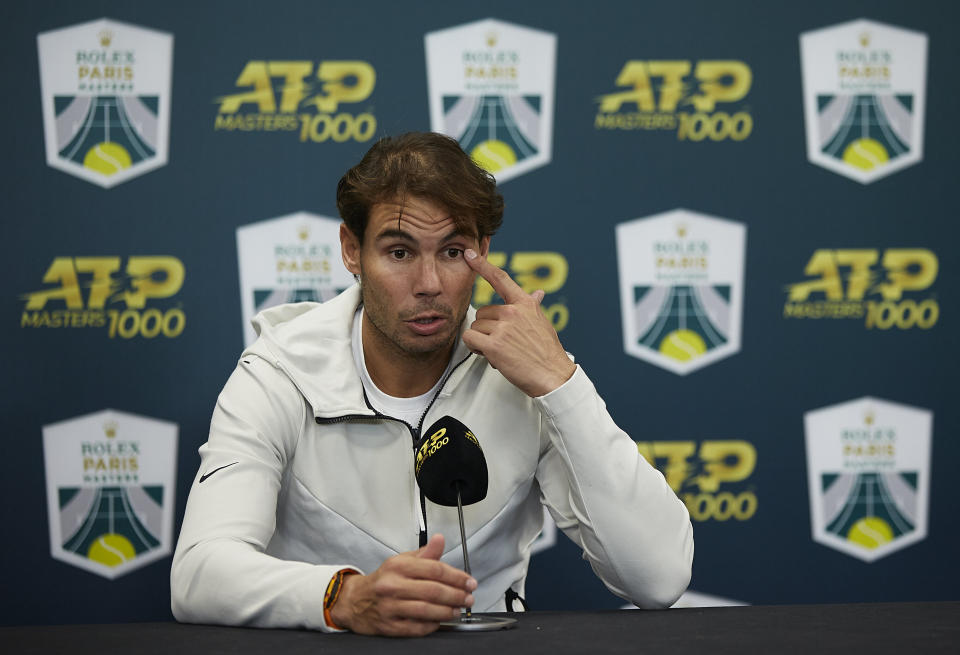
{"x":228,"y":582}
{"x":632,"y":527}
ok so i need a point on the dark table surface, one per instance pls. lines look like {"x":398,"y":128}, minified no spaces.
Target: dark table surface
{"x":873,"y":628}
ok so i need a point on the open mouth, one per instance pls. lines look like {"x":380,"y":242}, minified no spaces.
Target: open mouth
{"x":427,"y":324}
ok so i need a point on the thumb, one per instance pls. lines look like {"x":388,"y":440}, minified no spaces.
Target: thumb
{"x":433,"y":549}
{"x":538,"y":295}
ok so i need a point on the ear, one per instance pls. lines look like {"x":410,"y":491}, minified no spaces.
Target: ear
{"x":350,"y":249}
{"x":484,"y":246}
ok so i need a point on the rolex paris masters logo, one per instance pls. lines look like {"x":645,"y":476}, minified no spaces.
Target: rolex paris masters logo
{"x":291,"y":258}
{"x":868,"y":473}
{"x":105,"y":90}
{"x":491,"y":87}
{"x":681,"y":288}
{"x":864,"y":91}
{"x":110,"y":486}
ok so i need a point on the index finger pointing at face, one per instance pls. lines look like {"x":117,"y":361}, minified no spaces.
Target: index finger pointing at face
{"x":498,"y":278}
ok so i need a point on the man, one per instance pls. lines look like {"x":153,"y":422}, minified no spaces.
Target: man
{"x":305,"y":511}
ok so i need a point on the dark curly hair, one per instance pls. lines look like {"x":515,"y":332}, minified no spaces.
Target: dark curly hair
{"x":426,"y":165}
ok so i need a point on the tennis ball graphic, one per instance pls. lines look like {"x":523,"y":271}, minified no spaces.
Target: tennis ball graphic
{"x":111,"y":550}
{"x":865,"y":154}
{"x":493,"y":155}
{"x":683,"y":345}
{"x":107,"y":158}
{"x":870,"y":532}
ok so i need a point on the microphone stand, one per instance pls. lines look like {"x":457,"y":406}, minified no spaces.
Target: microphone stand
{"x":469,"y":622}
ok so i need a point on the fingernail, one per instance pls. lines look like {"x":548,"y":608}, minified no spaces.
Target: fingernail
{"x":456,"y":612}
{"x":468,"y":601}
{"x":471,"y":584}
{"x":469,"y":253}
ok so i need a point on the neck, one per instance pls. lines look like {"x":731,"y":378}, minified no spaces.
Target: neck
{"x":396,"y":372}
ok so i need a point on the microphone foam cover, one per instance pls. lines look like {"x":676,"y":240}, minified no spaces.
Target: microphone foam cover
{"x":449,"y":455}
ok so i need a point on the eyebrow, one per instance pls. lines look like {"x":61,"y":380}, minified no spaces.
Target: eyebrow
{"x":394,"y":233}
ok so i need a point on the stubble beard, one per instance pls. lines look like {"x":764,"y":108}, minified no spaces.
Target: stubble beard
{"x":392,"y":336}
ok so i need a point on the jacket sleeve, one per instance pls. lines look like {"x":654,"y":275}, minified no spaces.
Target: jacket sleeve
{"x":220,"y":572}
{"x":609,"y":500}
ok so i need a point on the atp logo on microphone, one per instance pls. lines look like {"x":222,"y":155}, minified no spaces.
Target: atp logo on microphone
{"x":434,"y":442}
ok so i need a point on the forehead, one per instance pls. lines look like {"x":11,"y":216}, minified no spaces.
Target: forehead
{"x":416,"y":216}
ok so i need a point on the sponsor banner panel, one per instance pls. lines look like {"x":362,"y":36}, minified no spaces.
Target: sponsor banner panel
{"x":491,"y":87}
{"x":105,"y":90}
{"x":887,"y":289}
{"x":703,"y":100}
{"x":291,"y":258}
{"x":864,"y":98}
{"x":110,"y":490}
{"x":868,"y":467}
{"x":328,"y":101}
{"x":133,"y":297}
{"x":681,"y":288}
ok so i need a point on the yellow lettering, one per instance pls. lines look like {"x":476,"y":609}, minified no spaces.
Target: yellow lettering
{"x":898,"y":263}
{"x":860,"y":261}
{"x":712,"y":75}
{"x":725,"y":461}
{"x":102,"y":269}
{"x":334,"y":74}
{"x":294,"y":87}
{"x":527,"y":266}
{"x":824,"y":264}
{"x":254,"y":74}
{"x":142,"y":270}
{"x":62,"y":271}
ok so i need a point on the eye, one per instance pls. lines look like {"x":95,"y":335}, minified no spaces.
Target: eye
{"x":453,"y":253}
{"x":398,"y":253}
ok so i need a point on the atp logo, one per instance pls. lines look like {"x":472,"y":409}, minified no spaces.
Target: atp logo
{"x":531,"y":270}
{"x":864,"y":95}
{"x":697,"y":474}
{"x":681,"y":288}
{"x":695,"y":100}
{"x":842,"y":280}
{"x":295,"y":96}
{"x":491,"y":87}
{"x":110,"y":490}
{"x":868,"y":467}
{"x":105,"y":90}
{"x":116,"y":298}
{"x":291,"y":258}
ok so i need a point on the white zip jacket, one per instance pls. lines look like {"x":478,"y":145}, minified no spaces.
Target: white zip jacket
{"x":301,"y":478}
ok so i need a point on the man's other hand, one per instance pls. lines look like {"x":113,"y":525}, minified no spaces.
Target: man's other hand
{"x":408,"y":596}
{"x":516,"y":338}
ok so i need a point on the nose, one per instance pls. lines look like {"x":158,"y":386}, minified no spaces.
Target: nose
{"x":428,"y":278}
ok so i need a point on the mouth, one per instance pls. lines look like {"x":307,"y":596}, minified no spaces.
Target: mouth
{"x":426,"y":324}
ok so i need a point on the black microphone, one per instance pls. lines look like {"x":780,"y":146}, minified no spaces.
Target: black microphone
{"x":451,"y":470}
{"x":450,"y":463}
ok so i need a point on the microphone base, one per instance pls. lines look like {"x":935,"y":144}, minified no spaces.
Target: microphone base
{"x":478,"y":623}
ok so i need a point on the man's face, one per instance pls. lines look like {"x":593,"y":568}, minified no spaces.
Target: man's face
{"x":415,"y":284}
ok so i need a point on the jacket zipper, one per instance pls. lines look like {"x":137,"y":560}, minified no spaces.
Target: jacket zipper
{"x":414,"y":435}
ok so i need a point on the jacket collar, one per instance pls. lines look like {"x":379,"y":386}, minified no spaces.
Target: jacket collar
{"x":311,"y":343}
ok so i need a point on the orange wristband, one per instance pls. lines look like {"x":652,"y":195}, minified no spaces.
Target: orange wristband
{"x":332,"y":594}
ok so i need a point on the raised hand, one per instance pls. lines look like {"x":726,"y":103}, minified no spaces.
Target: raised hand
{"x":408,"y":596}
{"x":516,"y":338}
